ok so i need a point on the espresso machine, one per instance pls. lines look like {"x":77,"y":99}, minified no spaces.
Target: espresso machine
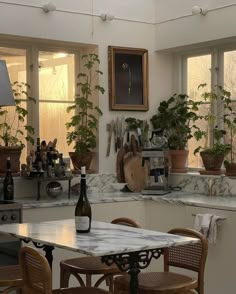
{"x":156,"y":155}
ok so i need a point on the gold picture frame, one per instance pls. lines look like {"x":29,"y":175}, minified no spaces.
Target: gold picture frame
{"x":128,"y":78}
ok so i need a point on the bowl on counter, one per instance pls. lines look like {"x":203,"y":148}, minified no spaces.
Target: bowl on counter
{"x":54,"y":189}
{"x":118,"y":187}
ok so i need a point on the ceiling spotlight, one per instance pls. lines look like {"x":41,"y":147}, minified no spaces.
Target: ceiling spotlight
{"x":199,"y":10}
{"x":48,"y":7}
{"x":107,"y":16}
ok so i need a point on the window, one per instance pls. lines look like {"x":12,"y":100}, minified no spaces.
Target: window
{"x":50,"y":69}
{"x":56,"y":91}
{"x":215,"y":66}
{"x":16,"y":63}
{"x":229,"y":61}
{"x":198,"y":72}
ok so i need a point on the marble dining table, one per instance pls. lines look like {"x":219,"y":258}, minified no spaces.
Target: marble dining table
{"x":131,"y":249}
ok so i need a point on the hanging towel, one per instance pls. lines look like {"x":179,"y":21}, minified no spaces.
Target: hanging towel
{"x":207,"y":224}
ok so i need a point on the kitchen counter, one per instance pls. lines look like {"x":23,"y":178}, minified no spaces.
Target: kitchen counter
{"x":182,"y":198}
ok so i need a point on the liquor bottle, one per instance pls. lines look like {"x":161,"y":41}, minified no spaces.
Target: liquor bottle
{"x":8,"y":184}
{"x":38,"y":164}
{"x":83,"y":213}
{"x":62,"y":165}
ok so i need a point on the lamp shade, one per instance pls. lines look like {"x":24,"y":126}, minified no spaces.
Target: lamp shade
{"x":6,"y":94}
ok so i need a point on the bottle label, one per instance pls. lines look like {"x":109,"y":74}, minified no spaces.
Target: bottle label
{"x":81,"y":223}
{"x":9,"y":188}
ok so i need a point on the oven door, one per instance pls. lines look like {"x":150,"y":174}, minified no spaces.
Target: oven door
{"x":9,"y":250}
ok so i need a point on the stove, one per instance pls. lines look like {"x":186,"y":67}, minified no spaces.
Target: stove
{"x":10,"y":212}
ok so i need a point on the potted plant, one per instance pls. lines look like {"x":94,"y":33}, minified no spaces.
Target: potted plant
{"x":83,"y":124}
{"x":176,"y":117}
{"x":14,"y":129}
{"x":214,"y":154}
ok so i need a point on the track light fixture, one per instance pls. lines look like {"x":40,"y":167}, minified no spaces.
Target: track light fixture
{"x":49,"y":7}
{"x":199,"y":10}
{"x":107,"y":16}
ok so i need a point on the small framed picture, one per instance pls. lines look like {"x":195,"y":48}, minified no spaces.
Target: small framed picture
{"x":128,"y":78}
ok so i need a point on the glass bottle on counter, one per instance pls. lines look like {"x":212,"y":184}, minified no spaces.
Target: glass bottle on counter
{"x":83,"y":212}
{"x":8,"y":183}
{"x":38,"y":164}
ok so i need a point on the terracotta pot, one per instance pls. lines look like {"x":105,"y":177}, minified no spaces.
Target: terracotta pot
{"x":81,"y":160}
{"x":178,"y":160}
{"x":212,"y":162}
{"x":14,"y":152}
{"x":230,"y":169}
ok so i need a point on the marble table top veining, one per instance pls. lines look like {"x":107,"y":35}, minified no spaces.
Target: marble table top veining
{"x":103,"y":239}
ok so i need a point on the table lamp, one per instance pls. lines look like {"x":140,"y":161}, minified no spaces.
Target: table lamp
{"x":6,"y":94}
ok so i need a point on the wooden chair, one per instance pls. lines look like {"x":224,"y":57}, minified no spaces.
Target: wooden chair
{"x":89,"y":266}
{"x":10,"y":278}
{"x":191,"y":257}
{"x":37,"y":276}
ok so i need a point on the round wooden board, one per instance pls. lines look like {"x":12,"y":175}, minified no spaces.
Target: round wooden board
{"x":135,"y":174}
{"x":120,"y":164}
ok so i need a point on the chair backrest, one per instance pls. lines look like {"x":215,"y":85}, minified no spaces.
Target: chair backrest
{"x":190,"y":256}
{"x":36,"y":272}
{"x":125,"y":222}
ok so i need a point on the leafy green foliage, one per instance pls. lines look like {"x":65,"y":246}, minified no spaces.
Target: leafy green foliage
{"x":11,"y":125}
{"x":176,"y":117}
{"x":227,"y":120}
{"x":83,"y":124}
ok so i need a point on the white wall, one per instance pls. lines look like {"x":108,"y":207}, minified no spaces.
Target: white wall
{"x":176,"y":26}
{"x":133,"y":26}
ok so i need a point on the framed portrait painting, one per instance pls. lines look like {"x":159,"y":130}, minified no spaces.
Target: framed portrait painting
{"x":128,"y":78}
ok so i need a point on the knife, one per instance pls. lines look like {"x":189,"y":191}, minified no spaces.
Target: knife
{"x":110,"y":131}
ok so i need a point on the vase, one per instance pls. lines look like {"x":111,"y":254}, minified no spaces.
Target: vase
{"x":212,"y":163}
{"x":14,"y":152}
{"x":81,"y":160}
{"x":178,"y":160}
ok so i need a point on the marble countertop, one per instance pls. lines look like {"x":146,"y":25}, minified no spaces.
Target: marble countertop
{"x":181,"y":198}
{"x":103,"y":239}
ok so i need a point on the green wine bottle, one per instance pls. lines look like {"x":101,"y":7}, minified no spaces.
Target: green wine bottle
{"x":83,"y":212}
{"x":8,"y":184}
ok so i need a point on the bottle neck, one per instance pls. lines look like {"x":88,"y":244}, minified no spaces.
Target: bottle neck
{"x":8,"y":165}
{"x":83,"y":185}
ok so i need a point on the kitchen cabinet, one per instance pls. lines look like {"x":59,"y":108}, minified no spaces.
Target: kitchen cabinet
{"x":221,"y":260}
{"x":220,"y":266}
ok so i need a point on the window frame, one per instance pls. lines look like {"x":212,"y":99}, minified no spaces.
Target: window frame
{"x":32,"y":47}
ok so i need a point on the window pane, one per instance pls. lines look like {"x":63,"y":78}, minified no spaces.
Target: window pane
{"x":230,"y":72}
{"x":16,"y":64}
{"x":230,"y":85}
{"x":56,"y":93}
{"x":198,"y":72}
{"x":52,"y":123}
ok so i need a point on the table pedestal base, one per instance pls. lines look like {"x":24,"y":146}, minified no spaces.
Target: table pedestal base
{"x":132,"y":263}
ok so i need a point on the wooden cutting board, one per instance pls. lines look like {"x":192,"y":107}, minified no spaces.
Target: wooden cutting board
{"x":120,"y":164}
{"x":135,"y":174}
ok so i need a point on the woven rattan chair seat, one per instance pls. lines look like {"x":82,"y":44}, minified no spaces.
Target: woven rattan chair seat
{"x":158,"y":282}
{"x":10,"y":275}
{"x":89,"y":265}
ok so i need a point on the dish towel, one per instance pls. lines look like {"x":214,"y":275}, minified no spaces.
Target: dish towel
{"x":208,"y":224}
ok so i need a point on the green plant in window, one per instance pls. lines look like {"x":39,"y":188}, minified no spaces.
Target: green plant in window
{"x":226,"y":120}
{"x":176,"y":116}
{"x":83,"y":124}
{"x":13,"y":120}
